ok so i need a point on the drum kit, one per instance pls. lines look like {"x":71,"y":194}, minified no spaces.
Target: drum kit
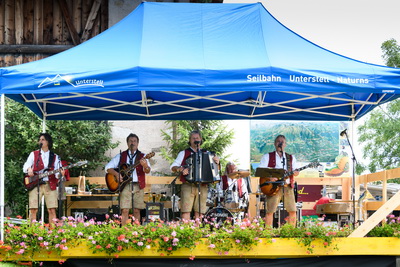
{"x":226,"y":204}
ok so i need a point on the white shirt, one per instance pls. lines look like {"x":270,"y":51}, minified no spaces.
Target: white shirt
{"x":179,"y":158}
{"x":279,"y":162}
{"x":30,"y":162}
{"x":114,"y":164}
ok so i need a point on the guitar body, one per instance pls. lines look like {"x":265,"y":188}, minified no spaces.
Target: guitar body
{"x":125,"y":172}
{"x":31,"y":182}
{"x":112,"y":182}
{"x":269,"y":189}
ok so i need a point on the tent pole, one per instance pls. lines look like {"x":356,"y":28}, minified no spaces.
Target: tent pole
{"x":353,"y":181}
{"x":43,"y":131}
{"x":2,"y":141}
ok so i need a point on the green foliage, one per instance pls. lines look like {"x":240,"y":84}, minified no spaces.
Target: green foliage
{"x":73,"y":141}
{"x":391,"y":53}
{"x":215,"y":137}
{"x":388,"y":229}
{"x":379,"y":135}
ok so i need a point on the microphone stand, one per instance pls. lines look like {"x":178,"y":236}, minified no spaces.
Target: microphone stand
{"x":172,"y":184}
{"x":38,"y":181}
{"x":353,"y":182}
{"x":283,"y":186}
{"x":199,"y":165}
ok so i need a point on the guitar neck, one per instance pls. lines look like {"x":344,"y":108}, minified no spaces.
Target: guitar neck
{"x":296,"y":170}
{"x":55,"y":171}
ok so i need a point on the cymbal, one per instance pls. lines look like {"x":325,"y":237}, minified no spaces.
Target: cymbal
{"x":239,"y":174}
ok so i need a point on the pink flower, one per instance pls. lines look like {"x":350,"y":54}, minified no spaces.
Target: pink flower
{"x":308,"y":233}
{"x":237,"y":241}
{"x":211,"y":246}
{"x":173,"y":233}
{"x":20,"y":251}
{"x":273,"y":240}
{"x":140,"y":243}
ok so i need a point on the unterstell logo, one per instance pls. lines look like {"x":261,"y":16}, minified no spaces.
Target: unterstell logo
{"x":59,"y":79}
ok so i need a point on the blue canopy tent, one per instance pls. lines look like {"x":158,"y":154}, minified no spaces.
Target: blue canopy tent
{"x":173,"y":61}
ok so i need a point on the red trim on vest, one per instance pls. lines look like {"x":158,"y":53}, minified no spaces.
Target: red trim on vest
{"x":239,"y":184}
{"x":139,"y":168}
{"x":188,"y":152}
{"x":53,"y":181}
{"x":224,"y":182}
{"x":272,"y":164}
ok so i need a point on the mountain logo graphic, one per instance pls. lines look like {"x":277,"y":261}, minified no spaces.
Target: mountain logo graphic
{"x":58,"y":79}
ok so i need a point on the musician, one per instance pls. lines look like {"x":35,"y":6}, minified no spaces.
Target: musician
{"x":130,"y":157}
{"x":189,"y":191}
{"x":279,"y":159}
{"x":238,"y":185}
{"x":38,"y":162}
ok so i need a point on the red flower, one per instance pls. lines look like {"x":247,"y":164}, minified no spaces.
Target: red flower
{"x":116,"y":256}
{"x":121,"y":237}
{"x":308,"y":233}
{"x":170,"y":248}
{"x":153,"y":229}
{"x":98,"y":246}
{"x":119,"y":248}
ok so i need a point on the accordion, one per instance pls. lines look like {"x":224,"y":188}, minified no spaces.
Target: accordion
{"x":202,"y":168}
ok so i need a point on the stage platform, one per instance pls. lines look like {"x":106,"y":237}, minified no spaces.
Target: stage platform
{"x":275,"y":248}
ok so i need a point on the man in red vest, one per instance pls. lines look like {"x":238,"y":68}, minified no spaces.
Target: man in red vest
{"x":38,"y":162}
{"x":237,"y":185}
{"x":189,"y":191}
{"x":131,"y":156}
{"x":280,"y":160}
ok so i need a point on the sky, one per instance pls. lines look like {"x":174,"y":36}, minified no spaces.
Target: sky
{"x":353,"y":28}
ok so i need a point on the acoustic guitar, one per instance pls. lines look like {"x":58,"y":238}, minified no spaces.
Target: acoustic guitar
{"x":31,"y":182}
{"x":271,"y":188}
{"x":125,"y":172}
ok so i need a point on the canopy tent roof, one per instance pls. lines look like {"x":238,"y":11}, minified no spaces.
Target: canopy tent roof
{"x":174,"y":61}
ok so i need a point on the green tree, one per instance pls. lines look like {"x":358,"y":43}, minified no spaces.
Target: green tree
{"x":215,"y":137}
{"x":380,"y":132}
{"x":73,"y":141}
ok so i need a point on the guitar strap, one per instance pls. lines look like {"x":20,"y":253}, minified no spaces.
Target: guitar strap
{"x":51,"y":160}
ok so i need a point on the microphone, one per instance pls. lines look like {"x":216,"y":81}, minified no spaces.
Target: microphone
{"x":343,"y":132}
{"x":196,"y":142}
{"x":40,"y":145}
{"x":280,"y":144}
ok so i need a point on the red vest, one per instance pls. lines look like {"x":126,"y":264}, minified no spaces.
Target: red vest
{"x":188,"y":152}
{"x":272,"y":164}
{"x":39,"y":165}
{"x":139,"y":168}
{"x":225,"y":184}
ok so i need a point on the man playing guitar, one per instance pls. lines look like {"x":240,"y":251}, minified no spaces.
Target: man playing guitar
{"x":137,"y":176}
{"x":38,"y":162}
{"x":280,"y":160}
